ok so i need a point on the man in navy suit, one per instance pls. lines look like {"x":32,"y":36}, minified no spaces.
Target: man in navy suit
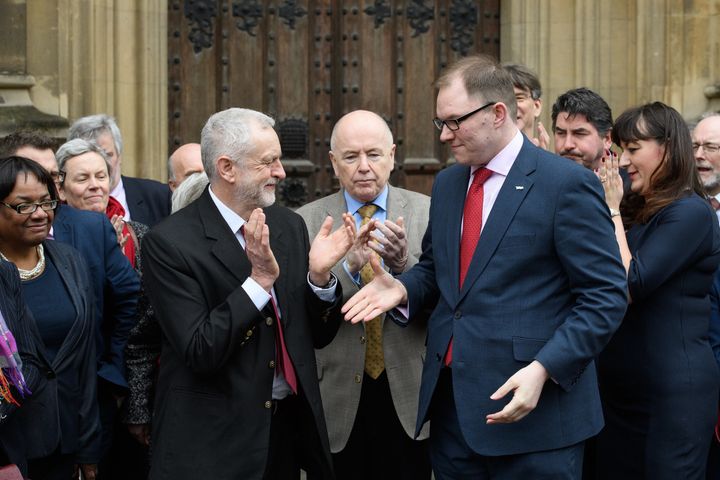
{"x":145,"y":201}
{"x":522,"y":309}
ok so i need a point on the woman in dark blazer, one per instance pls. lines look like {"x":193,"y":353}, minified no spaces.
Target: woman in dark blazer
{"x":16,"y":324}
{"x":658,"y":376}
{"x":60,"y":423}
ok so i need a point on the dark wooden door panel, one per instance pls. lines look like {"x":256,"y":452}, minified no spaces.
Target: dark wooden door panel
{"x":308,"y":62}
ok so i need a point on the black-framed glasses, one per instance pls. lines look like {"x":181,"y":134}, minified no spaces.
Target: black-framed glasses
{"x":28,"y":208}
{"x":707,"y":147}
{"x":454,"y":123}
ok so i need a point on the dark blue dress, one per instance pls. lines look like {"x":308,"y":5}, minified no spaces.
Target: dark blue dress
{"x":658,"y":376}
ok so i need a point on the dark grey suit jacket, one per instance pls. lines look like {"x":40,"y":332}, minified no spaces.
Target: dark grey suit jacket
{"x":213,"y":400}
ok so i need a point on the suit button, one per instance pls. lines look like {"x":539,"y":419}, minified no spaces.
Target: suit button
{"x":457,"y":315}
{"x":362,"y":339}
{"x":358,"y":379}
{"x":268,"y":404}
{"x":248,"y":333}
{"x":50,"y":374}
{"x":271,"y":364}
{"x":268,"y":321}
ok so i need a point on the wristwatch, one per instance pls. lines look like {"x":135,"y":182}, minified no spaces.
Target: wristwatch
{"x":614,"y":212}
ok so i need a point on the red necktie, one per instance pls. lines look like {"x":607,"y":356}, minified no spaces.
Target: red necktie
{"x":472,"y":225}
{"x":715,"y":204}
{"x":283,"y":357}
{"x":285,"y":364}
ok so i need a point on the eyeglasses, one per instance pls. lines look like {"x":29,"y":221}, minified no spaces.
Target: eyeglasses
{"x":708,"y":147}
{"x":58,"y":177}
{"x":28,"y":208}
{"x":454,"y":123}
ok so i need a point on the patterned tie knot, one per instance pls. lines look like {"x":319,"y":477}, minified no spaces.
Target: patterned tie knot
{"x":367,"y":211}
{"x":481,"y":175}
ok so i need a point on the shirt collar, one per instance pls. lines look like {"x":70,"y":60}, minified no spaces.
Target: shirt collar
{"x":233,"y":220}
{"x":381,"y":201}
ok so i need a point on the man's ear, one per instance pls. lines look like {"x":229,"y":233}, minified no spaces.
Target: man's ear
{"x":392,"y":157}
{"x":333,"y":161}
{"x":501,"y":114}
{"x":224,"y":167}
{"x":607,"y":140}
{"x":537,"y":107}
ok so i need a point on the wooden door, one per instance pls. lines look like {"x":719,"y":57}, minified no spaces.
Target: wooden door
{"x":308,"y":62}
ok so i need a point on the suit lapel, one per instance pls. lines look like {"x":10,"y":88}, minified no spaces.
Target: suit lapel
{"x":456,"y":202}
{"x":398,"y":203}
{"x":511,"y":195}
{"x":281,"y":249}
{"x":60,"y":225}
{"x":77,"y":330}
{"x":226,"y":248}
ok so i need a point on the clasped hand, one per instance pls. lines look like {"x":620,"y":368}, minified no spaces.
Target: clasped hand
{"x":387,"y":239}
{"x":326,"y":250}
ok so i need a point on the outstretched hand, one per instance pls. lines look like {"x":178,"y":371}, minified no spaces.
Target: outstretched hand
{"x":380,"y":295}
{"x":328,"y":248}
{"x":526,"y":385}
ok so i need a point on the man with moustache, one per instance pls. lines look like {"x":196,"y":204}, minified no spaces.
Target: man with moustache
{"x":706,"y":145}
{"x":520,"y":256}
{"x":581,"y":124}
{"x":370,"y":374}
{"x":241,"y":298}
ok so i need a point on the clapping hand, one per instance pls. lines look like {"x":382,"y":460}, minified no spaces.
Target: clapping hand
{"x":327,"y":248}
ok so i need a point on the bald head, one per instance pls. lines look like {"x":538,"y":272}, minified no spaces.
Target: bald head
{"x":362,"y":154}
{"x":185,"y":161}
{"x":350,"y":121}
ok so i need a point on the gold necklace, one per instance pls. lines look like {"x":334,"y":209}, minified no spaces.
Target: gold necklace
{"x":35,"y":272}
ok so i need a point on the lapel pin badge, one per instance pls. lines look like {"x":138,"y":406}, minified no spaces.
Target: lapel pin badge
{"x":519,"y":187}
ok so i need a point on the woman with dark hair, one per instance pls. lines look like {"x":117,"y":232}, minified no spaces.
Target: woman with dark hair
{"x":658,"y":376}
{"x":60,"y":424}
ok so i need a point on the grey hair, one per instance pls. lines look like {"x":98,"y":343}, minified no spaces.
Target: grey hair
{"x":189,"y":190}
{"x":228,"y":133}
{"x":79,"y":146}
{"x":92,"y":126}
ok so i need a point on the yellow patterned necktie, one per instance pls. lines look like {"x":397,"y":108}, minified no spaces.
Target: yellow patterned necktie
{"x":374,"y":358}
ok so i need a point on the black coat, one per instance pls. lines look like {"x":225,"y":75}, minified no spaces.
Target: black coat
{"x":212,"y":415}
{"x":65,"y":413}
{"x":35,"y":368}
{"x":148,"y":200}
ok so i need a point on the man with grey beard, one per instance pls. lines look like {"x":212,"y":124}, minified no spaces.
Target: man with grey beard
{"x":242,"y":300}
{"x":706,"y":146}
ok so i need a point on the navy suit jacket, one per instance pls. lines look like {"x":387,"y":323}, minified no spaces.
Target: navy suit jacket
{"x":115,"y":283}
{"x":65,"y":414}
{"x":149,"y":201}
{"x":546,"y":283}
